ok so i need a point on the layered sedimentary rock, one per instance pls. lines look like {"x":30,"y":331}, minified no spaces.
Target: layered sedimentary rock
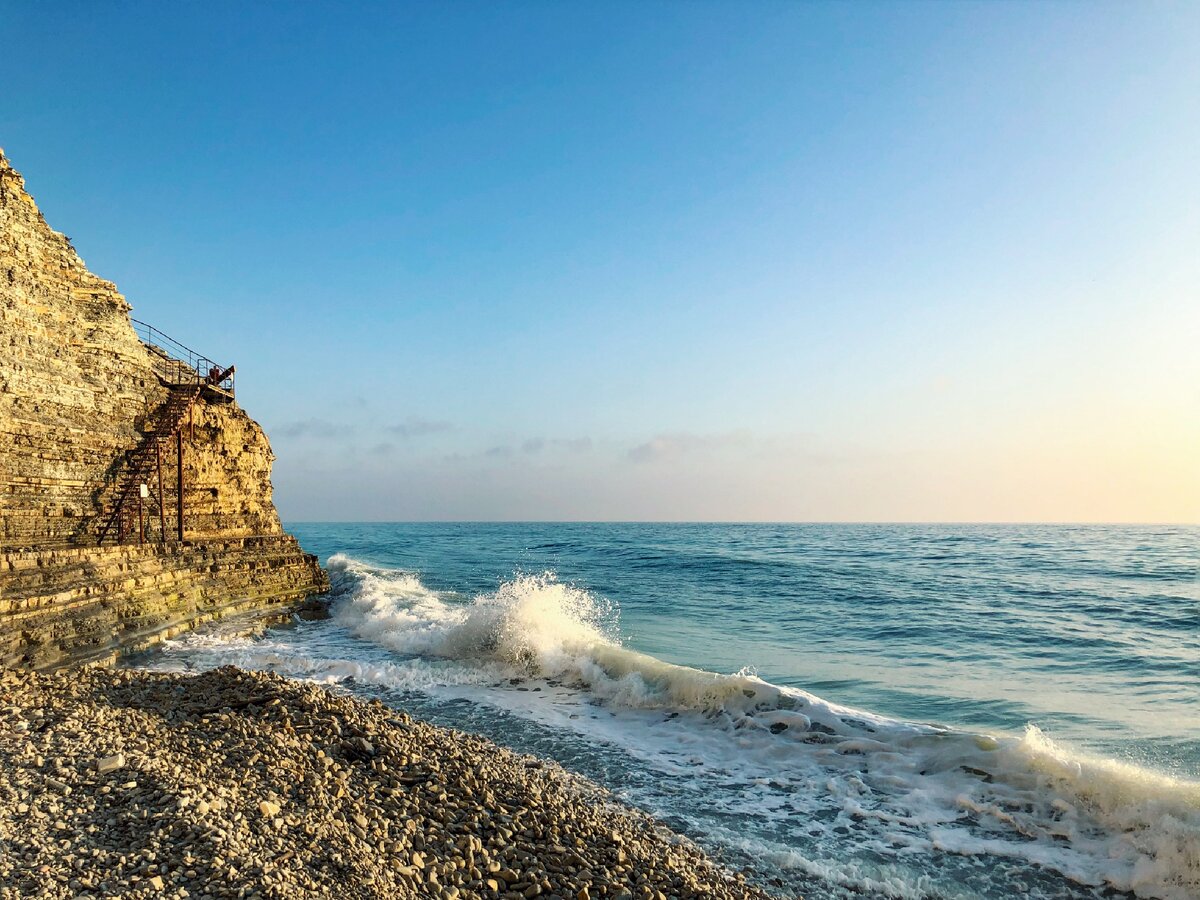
{"x":91,"y":604}
{"x":78,"y":392}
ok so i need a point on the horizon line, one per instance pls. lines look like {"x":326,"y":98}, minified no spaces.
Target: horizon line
{"x":731,"y":522}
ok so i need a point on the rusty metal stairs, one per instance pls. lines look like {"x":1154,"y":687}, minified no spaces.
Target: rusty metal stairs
{"x":143,"y":465}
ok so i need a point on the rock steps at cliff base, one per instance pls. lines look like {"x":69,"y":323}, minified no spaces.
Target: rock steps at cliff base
{"x":93,"y":604}
{"x":239,"y":784}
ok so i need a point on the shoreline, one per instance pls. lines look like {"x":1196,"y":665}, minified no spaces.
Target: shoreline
{"x":232,"y":783}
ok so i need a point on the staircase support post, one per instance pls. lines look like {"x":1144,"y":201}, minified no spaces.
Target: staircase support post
{"x":162,"y":511}
{"x":179,"y":483}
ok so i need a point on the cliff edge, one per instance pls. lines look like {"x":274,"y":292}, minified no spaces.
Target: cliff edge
{"x":135,"y":494}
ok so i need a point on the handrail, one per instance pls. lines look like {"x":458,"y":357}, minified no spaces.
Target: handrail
{"x":202,"y":370}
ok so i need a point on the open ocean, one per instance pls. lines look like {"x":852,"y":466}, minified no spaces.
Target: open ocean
{"x":880,"y":710}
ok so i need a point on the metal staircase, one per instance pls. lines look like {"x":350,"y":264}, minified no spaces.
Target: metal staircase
{"x":139,"y":489}
{"x":125,"y":513}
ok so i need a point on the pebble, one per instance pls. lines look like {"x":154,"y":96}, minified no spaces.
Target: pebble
{"x":110,"y":763}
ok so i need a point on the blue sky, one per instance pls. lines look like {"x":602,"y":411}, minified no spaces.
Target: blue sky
{"x":927,"y":261}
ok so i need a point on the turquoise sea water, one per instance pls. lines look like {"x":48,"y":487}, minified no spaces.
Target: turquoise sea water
{"x":891,"y":710}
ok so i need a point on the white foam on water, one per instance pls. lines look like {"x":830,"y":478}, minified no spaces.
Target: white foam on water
{"x":817,"y":776}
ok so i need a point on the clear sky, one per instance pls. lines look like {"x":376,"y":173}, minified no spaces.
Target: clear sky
{"x":897,"y":261}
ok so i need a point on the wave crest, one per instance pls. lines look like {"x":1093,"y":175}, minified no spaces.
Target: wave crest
{"x":535,"y":622}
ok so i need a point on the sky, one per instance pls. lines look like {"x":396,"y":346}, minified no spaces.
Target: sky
{"x":653,"y":261}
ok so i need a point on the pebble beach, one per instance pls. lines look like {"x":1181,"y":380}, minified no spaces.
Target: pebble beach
{"x":248,"y":785}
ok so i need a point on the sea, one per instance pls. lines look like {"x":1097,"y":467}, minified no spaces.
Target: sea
{"x":907,"y":711}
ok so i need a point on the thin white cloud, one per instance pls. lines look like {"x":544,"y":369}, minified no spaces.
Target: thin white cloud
{"x":667,"y":447}
{"x":571,"y":445}
{"x":318,"y":428}
{"x":416,"y":426}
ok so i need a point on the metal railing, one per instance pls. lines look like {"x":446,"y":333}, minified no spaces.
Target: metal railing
{"x":191,"y":367}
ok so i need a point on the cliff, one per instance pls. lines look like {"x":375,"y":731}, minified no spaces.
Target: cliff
{"x":89,"y":413}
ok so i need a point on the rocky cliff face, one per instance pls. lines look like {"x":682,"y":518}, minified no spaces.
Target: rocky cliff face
{"x":76,"y":387}
{"x":73,"y":376}
{"x":78,"y":391}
